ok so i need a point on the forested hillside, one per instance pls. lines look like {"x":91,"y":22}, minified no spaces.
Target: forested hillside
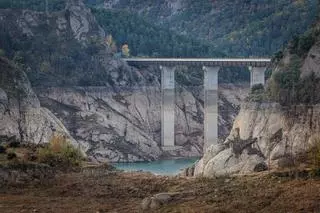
{"x":180,"y":28}
{"x":237,"y":28}
{"x":147,"y":39}
{"x":143,"y":37}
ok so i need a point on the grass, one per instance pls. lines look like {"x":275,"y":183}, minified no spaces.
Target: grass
{"x":60,"y":152}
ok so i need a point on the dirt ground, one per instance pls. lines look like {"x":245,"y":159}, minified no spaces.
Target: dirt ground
{"x":123,"y":192}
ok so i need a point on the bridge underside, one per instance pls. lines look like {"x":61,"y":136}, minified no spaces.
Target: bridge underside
{"x":211,"y":69}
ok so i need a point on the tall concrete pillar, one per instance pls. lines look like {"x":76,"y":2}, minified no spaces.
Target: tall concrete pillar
{"x":210,"y":106}
{"x":257,"y":75}
{"x":167,"y":106}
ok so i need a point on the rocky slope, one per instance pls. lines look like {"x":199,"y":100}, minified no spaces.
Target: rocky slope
{"x":111,"y":109}
{"x":21,"y":116}
{"x":272,"y":134}
{"x":125,"y":125}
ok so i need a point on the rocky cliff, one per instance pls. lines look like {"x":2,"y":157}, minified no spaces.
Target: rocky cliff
{"x":21,"y":115}
{"x":111,"y":109}
{"x":125,"y":125}
{"x":280,"y":129}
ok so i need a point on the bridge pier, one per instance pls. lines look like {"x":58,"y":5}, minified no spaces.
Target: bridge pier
{"x":257,"y":75}
{"x":210,"y":106}
{"x":211,"y":66}
{"x":167,"y":106}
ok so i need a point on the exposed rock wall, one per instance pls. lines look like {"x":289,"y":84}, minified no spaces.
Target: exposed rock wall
{"x":274,"y":135}
{"x":115,"y":113}
{"x":21,"y":115}
{"x":125,"y":125}
{"x":263,"y":135}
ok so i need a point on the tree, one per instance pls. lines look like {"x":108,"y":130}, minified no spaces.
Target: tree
{"x":125,"y":50}
{"x":2,"y":53}
{"x":45,"y":66}
{"x":111,"y":43}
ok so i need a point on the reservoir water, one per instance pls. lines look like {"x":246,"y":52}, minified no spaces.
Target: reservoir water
{"x":160,"y":167}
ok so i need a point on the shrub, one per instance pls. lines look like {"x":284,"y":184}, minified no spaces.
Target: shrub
{"x":257,"y":88}
{"x":14,"y":144}
{"x":11,"y":156}
{"x":2,"y":149}
{"x":2,"y":53}
{"x":257,"y":93}
{"x":59,"y":152}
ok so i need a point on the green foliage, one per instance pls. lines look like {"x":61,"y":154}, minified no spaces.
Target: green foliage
{"x":2,"y":149}
{"x":277,"y":56}
{"x":307,"y":89}
{"x":257,"y":93}
{"x":146,"y":39}
{"x":45,"y":66}
{"x":283,"y":86}
{"x":125,"y":51}
{"x":59,"y":152}
{"x":38,"y":5}
{"x":2,"y":53}
{"x":300,"y":45}
{"x":257,"y":88}
{"x":238,"y":28}
{"x":287,"y":87}
{"x":14,"y":144}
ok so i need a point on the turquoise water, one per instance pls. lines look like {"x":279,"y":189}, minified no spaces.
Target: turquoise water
{"x":160,"y":167}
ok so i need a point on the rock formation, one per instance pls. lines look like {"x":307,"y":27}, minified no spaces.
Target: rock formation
{"x":21,"y":115}
{"x":111,"y":109}
{"x":267,"y":134}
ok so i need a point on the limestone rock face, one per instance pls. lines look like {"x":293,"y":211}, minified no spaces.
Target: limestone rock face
{"x":124,"y":125}
{"x":21,"y":115}
{"x":115,"y":114}
{"x":263,"y":135}
{"x":82,"y":22}
{"x":110,"y":124}
{"x":312,"y":62}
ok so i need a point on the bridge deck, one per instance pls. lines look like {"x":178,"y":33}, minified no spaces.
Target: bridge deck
{"x":255,"y":62}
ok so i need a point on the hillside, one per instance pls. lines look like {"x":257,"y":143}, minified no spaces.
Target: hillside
{"x":279,"y":127}
{"x":236,"y":28}
{"x":113,"y":110}
{"x":21,"y":116}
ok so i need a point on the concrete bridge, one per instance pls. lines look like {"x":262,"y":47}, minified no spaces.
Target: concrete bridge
{"x":211,"y":67}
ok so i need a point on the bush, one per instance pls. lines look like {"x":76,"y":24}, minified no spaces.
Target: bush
{"x":14,"y":144}
{"x":59,"y":152}
{"x":2,"y":149}
{"x":257,"y":93}
{"x":2,"y":53}
{"x":257,"y":88}
{"x":11,"y":155}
